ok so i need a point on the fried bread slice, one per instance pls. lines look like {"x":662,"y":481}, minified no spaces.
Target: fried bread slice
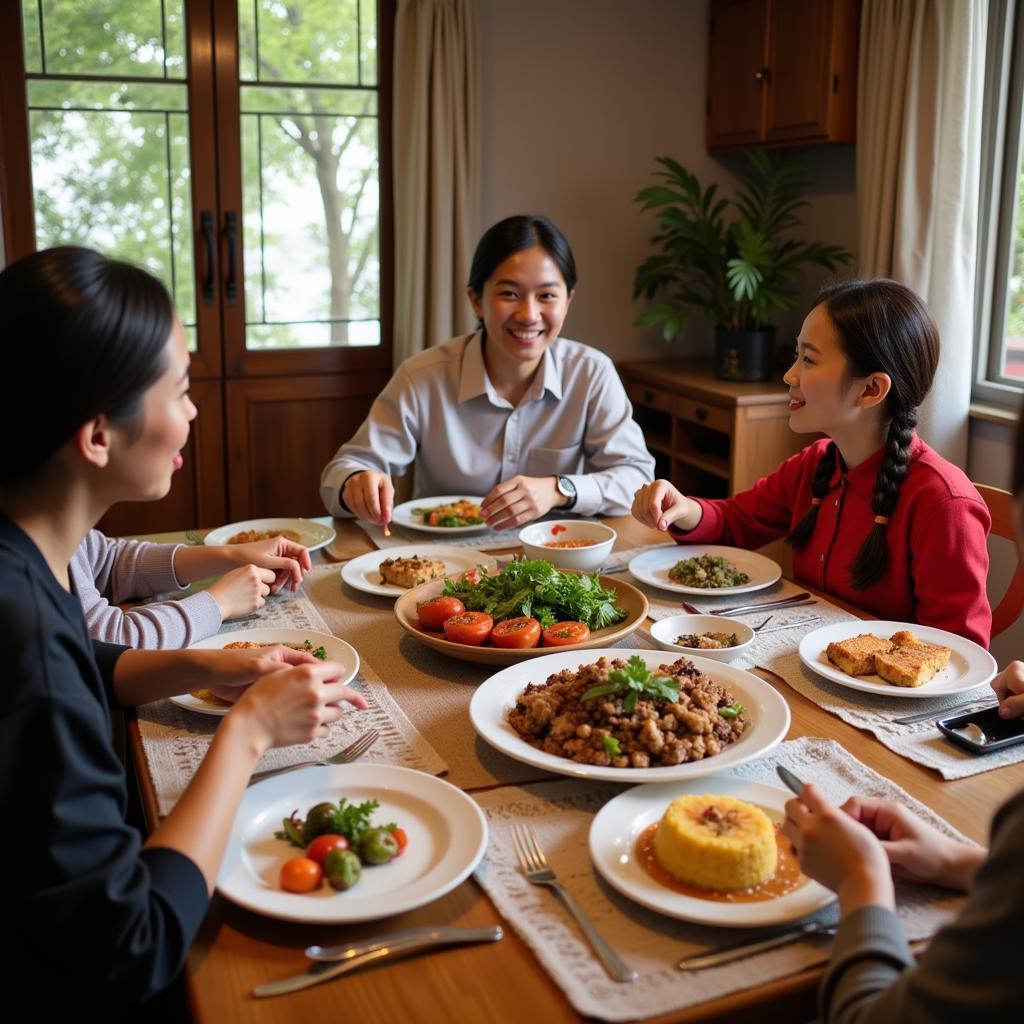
{"x":911,"y":664}
{"x":410,"y":572}
{"x":856,"y":655}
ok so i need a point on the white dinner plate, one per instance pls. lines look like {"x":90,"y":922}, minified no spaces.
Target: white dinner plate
{"x":652,"y":567}
{"x":970,"y":665}
{"x":337,"y":650}
{"x":447,"y":837}
{"x":312,"y":534}
{"x":362,"y":572}
{"x":613,"y":835}
{"x":402,"y":515}
{"x":767,"y":714}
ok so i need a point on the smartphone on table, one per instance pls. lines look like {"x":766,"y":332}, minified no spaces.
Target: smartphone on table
{"x":983,"y":732}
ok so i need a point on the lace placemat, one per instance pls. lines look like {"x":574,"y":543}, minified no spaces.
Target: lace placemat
{"x":175,"y":740}
{"x":561,"y":813}
{"x":485,"y":540}
{"x":921,"y":742}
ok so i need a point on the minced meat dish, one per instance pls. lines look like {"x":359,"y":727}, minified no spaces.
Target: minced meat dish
{"x":703,"y":720}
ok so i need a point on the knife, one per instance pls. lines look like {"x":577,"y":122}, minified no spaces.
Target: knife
{"x":782,"y":602}
{"x":789,"y":778}
{"x":928,"y":716}
{"x":374,"y":951}
{"x":744,"y":949}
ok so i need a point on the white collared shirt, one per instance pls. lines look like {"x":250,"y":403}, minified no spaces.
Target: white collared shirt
{"x":441,"y":412}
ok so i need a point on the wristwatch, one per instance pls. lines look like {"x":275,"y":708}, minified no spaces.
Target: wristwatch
{"x":567,"y":489}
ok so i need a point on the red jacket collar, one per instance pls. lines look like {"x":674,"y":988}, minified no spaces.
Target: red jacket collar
{"x":862,"y":478}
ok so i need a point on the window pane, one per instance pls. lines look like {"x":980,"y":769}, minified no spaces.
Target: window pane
{"x":1013,"y":347}
{"x":142,"y":38}
{"x":30,"y":23}
{"x":301,"y":41}
{"x":309,"y":173}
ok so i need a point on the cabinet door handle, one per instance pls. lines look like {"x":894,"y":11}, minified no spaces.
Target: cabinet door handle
{"x":701,"y":414}
{"x":206,"y":222}
{"x":230,"y":225}
{"x":763,"y":75}
{"x":648,"y":396}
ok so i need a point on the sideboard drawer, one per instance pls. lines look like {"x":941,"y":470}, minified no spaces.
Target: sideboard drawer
{"x":704,"y":414}
{"x":651,"y":398}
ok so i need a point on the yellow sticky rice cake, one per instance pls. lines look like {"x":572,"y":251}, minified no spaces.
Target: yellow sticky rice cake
{"x":716,"y":842}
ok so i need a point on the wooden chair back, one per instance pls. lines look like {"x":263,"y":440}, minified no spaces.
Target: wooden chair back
{"x":1000,"y":507}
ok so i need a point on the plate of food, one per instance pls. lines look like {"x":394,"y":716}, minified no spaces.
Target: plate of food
{"x":307,"y":532}
{"x":896,"y":659}
{"x":709,"y":850}
{"x":708,"y":569}
{"x":725,"y":716}
{"x":394,"y":571}
{"x":446,"y":513}
{"x":520,"y":612}
{"x":321,"y":645}
{"x":436,"y":835}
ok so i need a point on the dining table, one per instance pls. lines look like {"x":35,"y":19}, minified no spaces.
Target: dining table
{"x":237,"y":949}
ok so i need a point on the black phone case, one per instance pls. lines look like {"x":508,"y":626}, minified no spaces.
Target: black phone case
{"x":947,"y":727}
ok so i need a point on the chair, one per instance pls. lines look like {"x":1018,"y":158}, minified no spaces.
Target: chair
{"x":1000,"y":507}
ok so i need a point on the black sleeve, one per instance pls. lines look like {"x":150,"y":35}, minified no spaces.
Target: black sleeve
{"x":91,"y":907}
{"x":106,"y":656}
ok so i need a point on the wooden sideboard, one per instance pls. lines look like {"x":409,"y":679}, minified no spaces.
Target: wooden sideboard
{"x":710,"y":437}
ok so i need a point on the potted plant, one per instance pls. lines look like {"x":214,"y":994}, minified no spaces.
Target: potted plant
{"x":741,"y":272}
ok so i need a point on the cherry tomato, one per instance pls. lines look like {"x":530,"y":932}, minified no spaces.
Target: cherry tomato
{"x":432,"y":613}
{"x":519,"y":632}
{"x":402,"y":838}
{"x":323,"y":845}
{"x":563,"y":633}
{"x":300,"y":874}
{"x":471,"y":628}
{"x":470,"y":576}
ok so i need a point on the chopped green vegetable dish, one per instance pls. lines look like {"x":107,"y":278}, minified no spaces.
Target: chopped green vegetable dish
{"x":536,"y":588}
{"x":707,"y":572}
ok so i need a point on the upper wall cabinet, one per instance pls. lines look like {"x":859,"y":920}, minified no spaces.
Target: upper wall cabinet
{"x":782,"y":72}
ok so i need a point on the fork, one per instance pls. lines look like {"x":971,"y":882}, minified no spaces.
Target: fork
{"x":535,"y":866}
{"x":353,"y":751}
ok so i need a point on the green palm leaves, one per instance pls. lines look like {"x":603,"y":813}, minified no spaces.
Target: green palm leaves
{"x":741,"y":273}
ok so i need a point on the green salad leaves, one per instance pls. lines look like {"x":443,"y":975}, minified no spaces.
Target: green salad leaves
{"x":536,"y":588}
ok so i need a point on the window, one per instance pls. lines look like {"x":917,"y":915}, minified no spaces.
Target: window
{"x":999,"y":374}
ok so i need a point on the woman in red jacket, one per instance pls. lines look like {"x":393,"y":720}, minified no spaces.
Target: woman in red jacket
{"x":874,"y":515}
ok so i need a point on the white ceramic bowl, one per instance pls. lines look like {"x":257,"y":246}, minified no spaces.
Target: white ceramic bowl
{"x":665,"y":632}
{"x":536,"y":537}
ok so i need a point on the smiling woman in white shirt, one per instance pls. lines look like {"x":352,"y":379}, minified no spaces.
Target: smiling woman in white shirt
{"x":531,"y":420}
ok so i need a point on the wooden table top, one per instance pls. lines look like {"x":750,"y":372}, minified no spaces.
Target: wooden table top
{"x":237,"y":950}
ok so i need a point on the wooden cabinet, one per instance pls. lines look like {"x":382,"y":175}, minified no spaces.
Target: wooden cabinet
{"x":782,"y":72}
{"x":711,"y":437}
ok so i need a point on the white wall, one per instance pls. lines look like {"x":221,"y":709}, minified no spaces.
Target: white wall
{"x":579,"y":98}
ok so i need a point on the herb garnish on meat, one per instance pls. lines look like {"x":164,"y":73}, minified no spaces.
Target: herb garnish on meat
{"x":636,"y":681}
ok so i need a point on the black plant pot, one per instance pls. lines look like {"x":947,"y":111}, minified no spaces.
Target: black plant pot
{"x":744,"y":355}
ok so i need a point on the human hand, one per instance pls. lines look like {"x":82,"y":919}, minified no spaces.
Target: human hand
{"x":838,"y":851}
{"x":518,"y":500}
{"x":241,"y":591}
{"x":289,"y":560}
{"x":230,"y":673}
{"x":295,"y":705}
{"x":915,"y":849}
{"x":1009,"y":688}
{"x":659,"y":505}
{"x":369,"y":496}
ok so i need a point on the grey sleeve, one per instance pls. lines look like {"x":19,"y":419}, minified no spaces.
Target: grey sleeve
{"x":965,"y":975}
{"x":616,"y":461}
{"x":387,"y":442}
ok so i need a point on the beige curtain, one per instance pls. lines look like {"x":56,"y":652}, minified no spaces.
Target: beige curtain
{"x":919,"y":118}
{"x":437,"y":169}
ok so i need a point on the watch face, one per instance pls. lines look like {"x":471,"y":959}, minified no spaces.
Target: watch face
{"x":566,"y":487}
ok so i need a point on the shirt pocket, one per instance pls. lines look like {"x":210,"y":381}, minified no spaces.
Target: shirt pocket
{"x":553,"y":461}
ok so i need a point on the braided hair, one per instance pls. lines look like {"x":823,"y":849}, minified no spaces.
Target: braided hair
{"x":883,"y":327}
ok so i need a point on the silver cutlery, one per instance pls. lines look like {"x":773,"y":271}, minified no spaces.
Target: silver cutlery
{"x":791,"y":780}
{"x":535,"y":867}
{"x":383,"y":947}
{"x":742,"y":609}
{"x":934,"y":716}
{"x":788,"y":625}
{"x":741,"y":950}
{"x":350,"y":753}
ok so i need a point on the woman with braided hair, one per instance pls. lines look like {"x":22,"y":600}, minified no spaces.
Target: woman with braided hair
{"x":875,"y":516}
